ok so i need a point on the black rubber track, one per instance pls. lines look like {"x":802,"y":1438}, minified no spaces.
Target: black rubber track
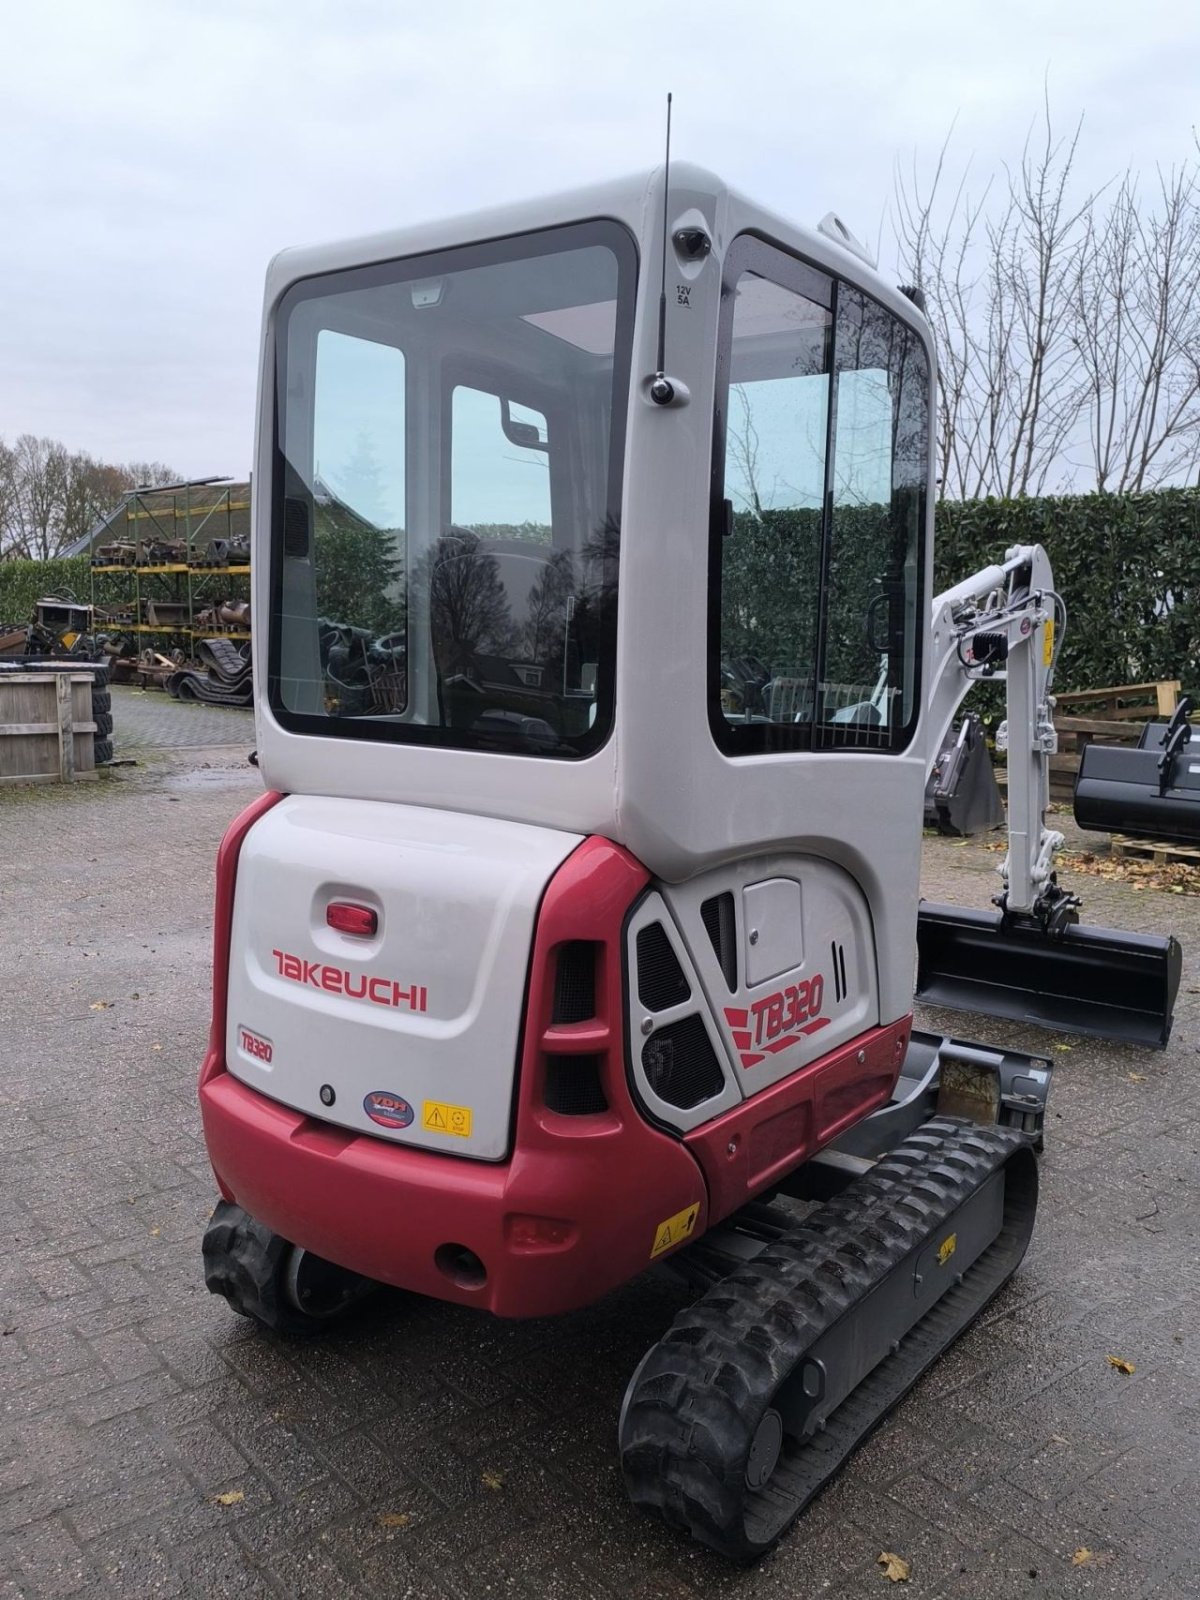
{"x":694,"y":1405}
{"x":245,"y":1262}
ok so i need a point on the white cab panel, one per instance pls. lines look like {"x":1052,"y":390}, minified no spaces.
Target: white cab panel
{"x":415,"y":1028}
{"x":775,"y":1021}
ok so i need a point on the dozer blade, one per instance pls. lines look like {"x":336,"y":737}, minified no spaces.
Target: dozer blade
{"x":763,"y":1388}
{"x":1097,"y":981}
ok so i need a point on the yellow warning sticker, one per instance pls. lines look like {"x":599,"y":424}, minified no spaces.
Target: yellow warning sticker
{"x":947,"y":1248}
{"x":674,"y":1230}
{"x":1048,"y":642}
{"x":441,"y":1118}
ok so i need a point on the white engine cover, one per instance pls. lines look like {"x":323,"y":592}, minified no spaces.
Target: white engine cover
{"x":798,"y":980}
{"x":414,"y":1029}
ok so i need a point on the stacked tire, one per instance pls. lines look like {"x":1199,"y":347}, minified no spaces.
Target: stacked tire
{"x":102,"y":714}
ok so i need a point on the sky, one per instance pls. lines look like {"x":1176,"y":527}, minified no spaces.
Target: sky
{"x":155,"y":154}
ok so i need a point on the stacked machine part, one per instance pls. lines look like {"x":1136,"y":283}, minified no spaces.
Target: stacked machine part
{"x":224,"y":677}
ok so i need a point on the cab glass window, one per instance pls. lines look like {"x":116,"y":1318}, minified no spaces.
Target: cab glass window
{"x":819,"y":471}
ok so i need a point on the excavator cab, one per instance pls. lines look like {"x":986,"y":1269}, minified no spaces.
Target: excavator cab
{"x":574,"y":935}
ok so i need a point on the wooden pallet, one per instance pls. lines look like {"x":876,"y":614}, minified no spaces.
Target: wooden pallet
{"x":1160,"y":851}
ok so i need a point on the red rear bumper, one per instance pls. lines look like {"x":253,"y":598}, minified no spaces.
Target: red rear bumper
{"x":555,"y":1230}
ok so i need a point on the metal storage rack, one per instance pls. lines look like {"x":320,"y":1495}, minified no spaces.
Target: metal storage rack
{"x":163,"y":598}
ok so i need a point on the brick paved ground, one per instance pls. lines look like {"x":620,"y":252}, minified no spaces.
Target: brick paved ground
{"x":426,"y":1451}
{"x":149,"y":719}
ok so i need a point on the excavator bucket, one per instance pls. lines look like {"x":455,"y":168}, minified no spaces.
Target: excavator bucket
{"x":961,"y":796}
{"x":1096,"y":981}
{"x":1151,"y":792}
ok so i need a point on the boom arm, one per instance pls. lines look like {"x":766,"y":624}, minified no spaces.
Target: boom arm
{"x":999,"y":626}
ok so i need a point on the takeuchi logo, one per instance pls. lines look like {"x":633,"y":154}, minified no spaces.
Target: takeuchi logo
{"x":337,"y":980}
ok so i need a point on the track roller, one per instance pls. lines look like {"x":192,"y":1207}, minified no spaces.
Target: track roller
{"x":263,"y":1276}
{"x":762,"y":1389}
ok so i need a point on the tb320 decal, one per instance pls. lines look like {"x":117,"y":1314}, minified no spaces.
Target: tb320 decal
{"x":777,"y":1021}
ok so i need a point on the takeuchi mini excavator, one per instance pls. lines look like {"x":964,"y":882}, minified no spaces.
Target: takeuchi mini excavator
{"x":600,"y":676}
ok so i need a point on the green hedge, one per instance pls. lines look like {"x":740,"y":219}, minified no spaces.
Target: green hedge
{"x":1128,"y":567}
{"x":23,"y":583}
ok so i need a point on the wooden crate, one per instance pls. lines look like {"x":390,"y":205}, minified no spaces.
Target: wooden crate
{"x":1140,"y":702}
{"x":46,"y":729}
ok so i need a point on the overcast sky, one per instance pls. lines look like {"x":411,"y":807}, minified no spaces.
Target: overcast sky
{"x":154,"y":154}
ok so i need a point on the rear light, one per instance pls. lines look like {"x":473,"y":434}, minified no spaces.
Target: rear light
{"x":360,"y":921}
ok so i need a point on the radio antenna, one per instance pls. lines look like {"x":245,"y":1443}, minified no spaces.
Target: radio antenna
{"x":662,"y":391}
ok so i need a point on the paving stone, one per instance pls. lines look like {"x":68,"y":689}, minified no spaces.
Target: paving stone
{"x":130,"y":1399}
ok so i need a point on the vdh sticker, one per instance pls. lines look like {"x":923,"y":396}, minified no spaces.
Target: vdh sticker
{"x":336,"y":980}
{"x":777,"y":1021}
{"x":387,"y":1109}
{"x":674,"y":1230}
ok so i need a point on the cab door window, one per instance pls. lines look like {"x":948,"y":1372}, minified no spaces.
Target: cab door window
{"x":819,"y":466}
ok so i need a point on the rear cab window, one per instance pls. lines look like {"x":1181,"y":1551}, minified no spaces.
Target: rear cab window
{"x":447,"y":492}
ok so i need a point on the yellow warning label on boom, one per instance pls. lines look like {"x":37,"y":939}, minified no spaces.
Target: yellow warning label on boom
{"x":1048,"y":643}
{"x":674,"y":1230}
{"x":441,"y":1118}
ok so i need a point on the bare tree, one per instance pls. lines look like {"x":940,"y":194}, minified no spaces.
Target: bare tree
{"x":51,"y":497}
{"x":1136,"y":329}
{"x":1000,"y":274}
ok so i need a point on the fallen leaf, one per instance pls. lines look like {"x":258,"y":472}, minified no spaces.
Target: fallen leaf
{"x":1058,"y":1439}
{"x":1127,"y":1367}
{"x":895,"y":1568}
{"x":1135,"y":1077}
{"x":156,"y":1047}
{"x":154,"y":1232}
{"x":1064,"y":1047}
{"x":100,"y":1005}
{"x":231,"y":1497}
{"x":1084,"y":1557}
{"x":492,"y":1480}
{"x":395,"y":1519}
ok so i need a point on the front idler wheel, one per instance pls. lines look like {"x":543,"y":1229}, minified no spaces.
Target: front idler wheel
{"x":280,"y":1285}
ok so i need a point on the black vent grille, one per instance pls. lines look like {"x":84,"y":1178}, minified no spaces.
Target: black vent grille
{"x":837,"y":956}
{"x":681,"y":1065}
{"x":295,"y":527}
{"x":661,"y":982}
{"x":718,"y":919}
{"x":573,"y":1086}
{"x":575,"y":982}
